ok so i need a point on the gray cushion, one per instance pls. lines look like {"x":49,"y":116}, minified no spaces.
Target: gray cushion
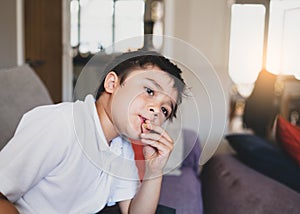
{"x":20,"y":91}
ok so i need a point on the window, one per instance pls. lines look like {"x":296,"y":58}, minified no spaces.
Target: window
{"x":246,"y":45}
{"x":284,"y":38}
{"x":97,"y":24}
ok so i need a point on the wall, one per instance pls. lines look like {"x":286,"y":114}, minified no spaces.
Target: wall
{"x":205,"y":24}
{"x":11,"y":36}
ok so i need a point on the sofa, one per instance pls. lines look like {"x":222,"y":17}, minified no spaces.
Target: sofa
{"x":232,"y":185}
{"x":21,"y":90}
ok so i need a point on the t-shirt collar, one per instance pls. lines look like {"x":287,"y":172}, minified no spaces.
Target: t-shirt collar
{"x":116,"y":143}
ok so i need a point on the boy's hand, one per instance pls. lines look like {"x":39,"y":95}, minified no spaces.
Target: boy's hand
{"x":157,"y":149}
{"x":6,"y":207}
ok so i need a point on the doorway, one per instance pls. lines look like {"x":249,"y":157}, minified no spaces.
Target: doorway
{"x":43,"y":42}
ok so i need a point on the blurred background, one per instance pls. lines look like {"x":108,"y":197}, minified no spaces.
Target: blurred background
{"x":253,"y":45}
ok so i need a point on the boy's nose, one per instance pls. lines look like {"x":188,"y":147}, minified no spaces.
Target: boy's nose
{"x":153,"y":109}
{"x":154,"y":112}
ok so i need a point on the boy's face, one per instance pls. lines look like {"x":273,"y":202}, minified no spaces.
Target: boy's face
{"x":146,"y":94}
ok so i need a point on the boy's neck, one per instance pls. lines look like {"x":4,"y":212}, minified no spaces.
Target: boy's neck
{"x":105,"y":120}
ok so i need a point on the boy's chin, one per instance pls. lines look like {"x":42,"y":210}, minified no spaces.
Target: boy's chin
{"x":137,"y":138}
{"x":133,"y":136}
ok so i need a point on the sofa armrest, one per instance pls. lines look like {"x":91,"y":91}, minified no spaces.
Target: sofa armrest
{"x":229,"y":186}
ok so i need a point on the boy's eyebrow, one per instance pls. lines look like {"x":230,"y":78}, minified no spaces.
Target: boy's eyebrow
{"x":155,"y":83}
{"x":172,"y":108}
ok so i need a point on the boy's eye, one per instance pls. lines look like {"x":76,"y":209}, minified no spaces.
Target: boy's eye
{"x":149,"y":91}
{"x":165,"y":111}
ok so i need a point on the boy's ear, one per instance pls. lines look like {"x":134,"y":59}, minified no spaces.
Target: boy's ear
{"x":110,"y":82}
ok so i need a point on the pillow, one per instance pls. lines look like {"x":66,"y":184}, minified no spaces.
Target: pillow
{"x":288,"y":136}
{"x":176,"y":158}
{"x":192,"y":150}
{"x":266,"y":158}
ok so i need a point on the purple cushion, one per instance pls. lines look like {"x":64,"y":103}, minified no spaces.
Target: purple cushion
{"x":182,"y":192}
{"x":192,"y":148}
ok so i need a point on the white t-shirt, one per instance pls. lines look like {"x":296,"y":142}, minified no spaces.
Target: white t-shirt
{"x":59,"y":162}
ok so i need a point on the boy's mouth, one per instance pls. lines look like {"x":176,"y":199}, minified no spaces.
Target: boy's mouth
{"x":143,"y":122}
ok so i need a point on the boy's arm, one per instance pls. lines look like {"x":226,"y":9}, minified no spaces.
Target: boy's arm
{"x":157,"y":149}
{"x":146,"y":199}
{"x":6,"y":207}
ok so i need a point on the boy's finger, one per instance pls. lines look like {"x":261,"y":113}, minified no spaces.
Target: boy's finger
{"x":156,"y":138}
{"x":158,"y":130}
{"x":158,"y":145}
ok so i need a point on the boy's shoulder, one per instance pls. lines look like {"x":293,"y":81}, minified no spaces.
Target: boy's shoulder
{"x":61,"y":111}
{"x":64,"y":112}
{"x":60,"y":108}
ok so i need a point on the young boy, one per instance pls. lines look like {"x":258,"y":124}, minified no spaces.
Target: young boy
{"x":62,"y":158}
